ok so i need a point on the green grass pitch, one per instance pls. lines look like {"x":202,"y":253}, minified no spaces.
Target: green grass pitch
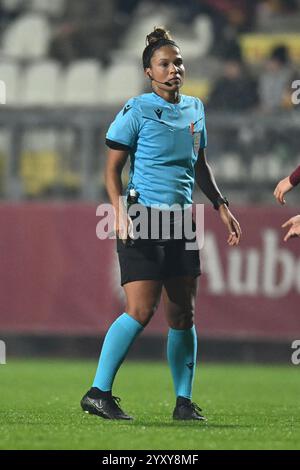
{"x":247,"y":406}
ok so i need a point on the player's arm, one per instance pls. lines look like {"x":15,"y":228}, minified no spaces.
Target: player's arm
{"x":206,"y":182}
{"x":116,"y":160}
{"x":293,"y":225}
{"x":285,"y":185}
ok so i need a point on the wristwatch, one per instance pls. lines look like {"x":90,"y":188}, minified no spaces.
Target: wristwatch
{"x":219,"y":201}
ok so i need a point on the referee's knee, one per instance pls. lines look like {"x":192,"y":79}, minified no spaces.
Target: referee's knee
{"x":142,"y":313}
{"x":182,"y":321}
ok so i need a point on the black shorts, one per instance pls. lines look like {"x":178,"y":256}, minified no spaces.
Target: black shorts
{"x":157,"y":260}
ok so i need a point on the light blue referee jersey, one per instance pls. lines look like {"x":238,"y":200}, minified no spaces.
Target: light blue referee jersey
{"x":163,"y":140}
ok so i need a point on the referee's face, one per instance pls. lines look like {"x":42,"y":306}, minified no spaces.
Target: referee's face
{"x":167,"y":66}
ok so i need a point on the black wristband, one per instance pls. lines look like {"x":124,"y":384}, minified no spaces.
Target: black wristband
{"x":220,"y":201}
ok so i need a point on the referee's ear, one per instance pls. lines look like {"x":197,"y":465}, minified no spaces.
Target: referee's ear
{"x":147,"y":72}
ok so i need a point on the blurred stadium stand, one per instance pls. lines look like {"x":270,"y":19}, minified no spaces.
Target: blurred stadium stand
{"x":70,"y":65}
{"x":40,"y":82}
{"x":27,"y":37}
{"x":82,"y":84}
{"x":41,"y":76}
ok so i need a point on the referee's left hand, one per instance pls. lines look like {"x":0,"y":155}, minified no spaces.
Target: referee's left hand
{"x":232,"y":225}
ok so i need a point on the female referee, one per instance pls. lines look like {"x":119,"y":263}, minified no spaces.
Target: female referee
{"x":164,"y":133}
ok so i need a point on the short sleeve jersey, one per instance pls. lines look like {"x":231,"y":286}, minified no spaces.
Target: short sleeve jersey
{"x":163,"y":140}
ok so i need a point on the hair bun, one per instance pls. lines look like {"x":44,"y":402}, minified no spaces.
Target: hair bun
{"x":157,"y":35}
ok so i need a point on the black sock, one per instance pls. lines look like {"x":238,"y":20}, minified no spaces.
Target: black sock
{"x":182,"y":401}
{"x":95,"y":392}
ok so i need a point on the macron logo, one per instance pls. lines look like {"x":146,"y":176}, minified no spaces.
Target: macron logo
{"x":158,"y":113}
{"x":126,"y":109}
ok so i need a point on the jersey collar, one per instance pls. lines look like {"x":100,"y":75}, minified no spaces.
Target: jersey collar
{"x":164,"y":102}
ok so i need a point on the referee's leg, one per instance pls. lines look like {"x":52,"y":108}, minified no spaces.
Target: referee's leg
{"x":142,"y":299}
{"x":179,"y":295}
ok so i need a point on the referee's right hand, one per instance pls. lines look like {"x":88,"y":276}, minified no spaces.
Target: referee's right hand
{"x":124,"y":226}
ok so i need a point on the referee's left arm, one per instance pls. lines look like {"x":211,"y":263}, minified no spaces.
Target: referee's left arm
{"x":206,"y":182}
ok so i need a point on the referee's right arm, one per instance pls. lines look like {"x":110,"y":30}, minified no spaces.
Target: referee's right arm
{"x":115,"y":163}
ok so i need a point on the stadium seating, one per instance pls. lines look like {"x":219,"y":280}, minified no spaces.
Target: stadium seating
{"x":134,"y":38}
{"x":32,"y":78}
{"x":12,"y":4}
{"x":42,"y":84}
{"x":10,"y":75}
{"x":53,"y":8}
{"x":83,"y":83}
{"x":39,"y":140}
{"x":39,"y":172}
{"x":200,"y":88}
{"x":48,"y":163}
{"x":230,"y":167}
{"x":27,"y":37}
{"x":39,"y":162}
{"x":122,"y":81}
{"x":203,"y":30}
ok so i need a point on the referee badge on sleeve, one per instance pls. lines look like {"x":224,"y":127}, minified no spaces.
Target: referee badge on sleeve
{"x":196,"y":141}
